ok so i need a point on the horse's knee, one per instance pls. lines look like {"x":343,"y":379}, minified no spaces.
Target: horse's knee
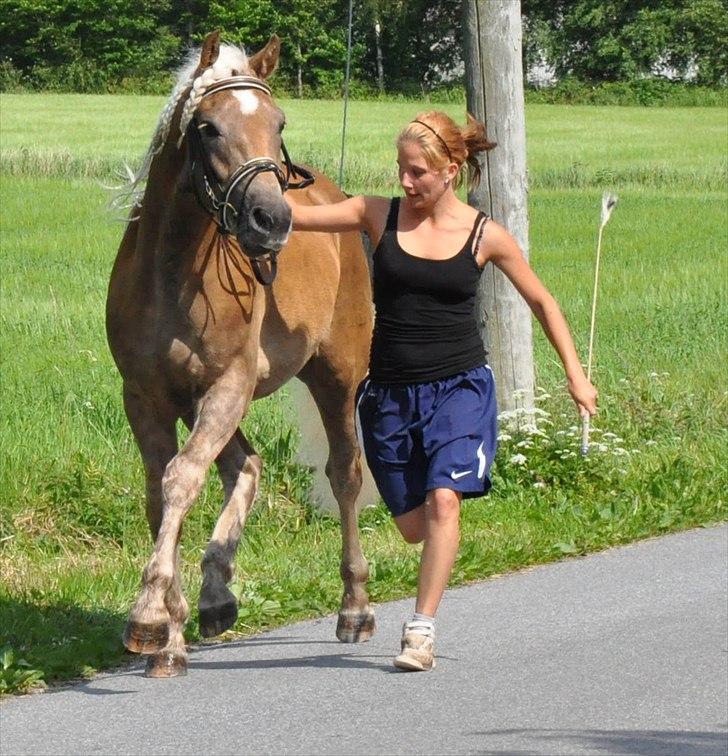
{"x":181,"y":482}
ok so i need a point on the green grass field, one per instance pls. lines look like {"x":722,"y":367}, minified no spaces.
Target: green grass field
{"x":72,"y":535}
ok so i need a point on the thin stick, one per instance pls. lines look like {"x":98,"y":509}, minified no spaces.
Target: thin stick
{"x":346,"y":94}
{"x":608,"y":203}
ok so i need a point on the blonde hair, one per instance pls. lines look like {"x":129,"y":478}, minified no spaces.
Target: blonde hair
{"x":443,"y":142}
{"x":231,"y":61}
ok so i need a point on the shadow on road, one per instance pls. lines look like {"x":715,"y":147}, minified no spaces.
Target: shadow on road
{"x":331,"y":661}
{"x":638,"y":742}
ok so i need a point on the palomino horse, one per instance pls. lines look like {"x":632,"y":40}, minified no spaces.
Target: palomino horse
{"x":196,"y":337}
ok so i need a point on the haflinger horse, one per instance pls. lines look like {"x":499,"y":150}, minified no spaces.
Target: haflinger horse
{"x":197,"y":335}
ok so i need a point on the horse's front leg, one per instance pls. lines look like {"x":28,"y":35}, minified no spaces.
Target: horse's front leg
{"x":239,"y":468}
{"x":218,"y":414}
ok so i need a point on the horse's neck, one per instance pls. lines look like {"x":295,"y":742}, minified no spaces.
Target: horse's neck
{"x":170,"y":209}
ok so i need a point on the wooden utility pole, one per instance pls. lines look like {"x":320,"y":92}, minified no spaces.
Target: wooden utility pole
{"x":494,"y":84}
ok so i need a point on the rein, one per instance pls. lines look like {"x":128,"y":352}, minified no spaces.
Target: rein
{"x":215,"y":197}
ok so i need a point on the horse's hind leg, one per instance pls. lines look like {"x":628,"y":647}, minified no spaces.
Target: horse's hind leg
{"x":334,"y":397}
{"x":239,"y":468}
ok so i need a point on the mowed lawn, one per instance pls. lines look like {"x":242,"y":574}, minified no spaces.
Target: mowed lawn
{"x":72,"y":535}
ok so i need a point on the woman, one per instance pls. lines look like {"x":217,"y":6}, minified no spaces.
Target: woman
{"x":427,"y":409}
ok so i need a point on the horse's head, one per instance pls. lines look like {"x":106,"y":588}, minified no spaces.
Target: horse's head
{"x":233,"y":128}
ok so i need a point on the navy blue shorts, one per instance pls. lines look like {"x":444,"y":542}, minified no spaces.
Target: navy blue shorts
{"x":422,"y":436}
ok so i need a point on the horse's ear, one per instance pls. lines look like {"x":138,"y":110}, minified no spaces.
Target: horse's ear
{"x":210,"y":51}
{"x":265,"y":62}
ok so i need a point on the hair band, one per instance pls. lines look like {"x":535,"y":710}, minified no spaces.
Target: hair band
{"x":442,"y":141}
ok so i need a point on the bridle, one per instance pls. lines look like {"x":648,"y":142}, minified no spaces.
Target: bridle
{"x":215,"y":197}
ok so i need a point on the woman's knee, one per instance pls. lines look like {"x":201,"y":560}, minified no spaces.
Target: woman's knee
{"x":443,"y":505}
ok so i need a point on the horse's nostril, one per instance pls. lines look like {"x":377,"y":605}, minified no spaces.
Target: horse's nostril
{"x":262,"y":219}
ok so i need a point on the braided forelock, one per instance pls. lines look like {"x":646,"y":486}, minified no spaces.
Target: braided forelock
{"x":230,"y":60}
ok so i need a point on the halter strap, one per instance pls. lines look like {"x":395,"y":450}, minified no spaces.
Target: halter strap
{"x":216,"y":198}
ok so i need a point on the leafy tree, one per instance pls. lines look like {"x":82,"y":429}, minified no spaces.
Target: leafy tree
{"x":616,"y":40}
{"x":108,"y":39}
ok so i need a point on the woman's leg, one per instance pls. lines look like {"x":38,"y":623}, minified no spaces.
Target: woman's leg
{"x":437,"y":523}
{"x":442,"y":539}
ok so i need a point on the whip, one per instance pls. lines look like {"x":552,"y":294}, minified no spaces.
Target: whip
{"x":608,"y":203}
{"x":347,"y":76}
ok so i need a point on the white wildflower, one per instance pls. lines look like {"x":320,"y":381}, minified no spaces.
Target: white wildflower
{"x":518,"y":459}
{"x":650,"y":442}
{"x":539,"y":484}
{"x":525,"y":444}
{"x":504,"y":437}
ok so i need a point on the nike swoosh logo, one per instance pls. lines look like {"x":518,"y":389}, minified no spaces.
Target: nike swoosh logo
{"x":455,"y":475}
{"x":481,"y":460}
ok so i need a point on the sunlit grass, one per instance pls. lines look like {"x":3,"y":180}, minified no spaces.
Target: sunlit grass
{"x":568,"y":145}
{"x":73,"y":539}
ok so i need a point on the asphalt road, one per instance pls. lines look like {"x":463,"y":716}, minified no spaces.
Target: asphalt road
{"x":623,"y":652}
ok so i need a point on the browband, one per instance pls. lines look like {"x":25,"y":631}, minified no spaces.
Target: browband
{"x":237,"y":82}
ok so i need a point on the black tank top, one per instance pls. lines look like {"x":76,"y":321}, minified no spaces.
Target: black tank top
{"x":425,"y":326}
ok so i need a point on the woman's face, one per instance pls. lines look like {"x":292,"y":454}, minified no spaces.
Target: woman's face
{"x":422,"y":184}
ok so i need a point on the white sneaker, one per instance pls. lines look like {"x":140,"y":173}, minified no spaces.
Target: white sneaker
{"x":418,"y":648}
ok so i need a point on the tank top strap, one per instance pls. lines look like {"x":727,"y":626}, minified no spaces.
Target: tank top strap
{"x":393,"y":215}
{"x":479,"y":227}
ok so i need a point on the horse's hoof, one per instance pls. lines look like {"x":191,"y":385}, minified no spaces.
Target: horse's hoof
{"x":145,"y":638}
{"x":217,"y":619}
{"x":355,"y":627}
{"x":166,"y":664}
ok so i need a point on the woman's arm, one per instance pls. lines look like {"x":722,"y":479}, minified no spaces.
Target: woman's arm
{"x":354,"y":214}
{"x":500,"y":248}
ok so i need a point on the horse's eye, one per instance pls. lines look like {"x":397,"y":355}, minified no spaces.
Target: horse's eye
{"x":281,"y":127}
{"x":208,"y":129}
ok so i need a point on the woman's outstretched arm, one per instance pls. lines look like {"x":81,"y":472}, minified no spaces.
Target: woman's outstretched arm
{"x":357,"y":213}
{"x":500,"y":248}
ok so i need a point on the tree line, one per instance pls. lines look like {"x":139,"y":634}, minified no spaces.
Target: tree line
{"x":400,"y":46}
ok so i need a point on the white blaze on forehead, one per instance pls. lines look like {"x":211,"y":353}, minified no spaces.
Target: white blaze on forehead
{"x":248,"y":101}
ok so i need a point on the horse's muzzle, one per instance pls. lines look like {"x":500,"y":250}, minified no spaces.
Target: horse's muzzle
{"x":264,"y":226}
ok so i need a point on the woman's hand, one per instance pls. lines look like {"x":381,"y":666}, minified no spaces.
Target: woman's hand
{"x":584,"y":395}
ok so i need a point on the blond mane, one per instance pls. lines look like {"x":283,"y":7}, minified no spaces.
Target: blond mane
{"x":231,"y":61}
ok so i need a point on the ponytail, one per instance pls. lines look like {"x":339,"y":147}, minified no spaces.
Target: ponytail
{"x":473,"y":134}
{"x":442,"y":141}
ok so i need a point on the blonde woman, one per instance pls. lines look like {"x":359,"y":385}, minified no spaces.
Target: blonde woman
{"x":427,"y":409}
